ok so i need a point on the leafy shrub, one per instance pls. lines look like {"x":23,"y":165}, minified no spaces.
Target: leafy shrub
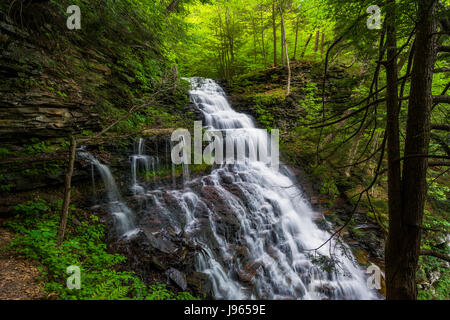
{"x":36,"y":230}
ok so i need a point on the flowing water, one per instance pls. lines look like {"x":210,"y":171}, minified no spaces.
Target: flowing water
{"x":252,"y":221}
{"x":140,"y":162}
{"x":123,"y":216}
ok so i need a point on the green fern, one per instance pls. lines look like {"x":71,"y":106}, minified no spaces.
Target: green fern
{"x":109,"y":290}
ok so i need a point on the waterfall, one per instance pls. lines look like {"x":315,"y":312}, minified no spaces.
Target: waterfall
{"x":174,"y":178}
{"x":94,"y":189}
{"x":185,"y":166}
{"x":256,"y":228}
{"x":123,"y":216}
{"x":139,"y":158}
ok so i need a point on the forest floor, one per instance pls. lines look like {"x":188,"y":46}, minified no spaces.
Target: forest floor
{"x":18,"y":276}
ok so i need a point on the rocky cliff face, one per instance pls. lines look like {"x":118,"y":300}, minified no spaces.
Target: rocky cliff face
{"x":43,"y":92}
{"x":53,"y":83}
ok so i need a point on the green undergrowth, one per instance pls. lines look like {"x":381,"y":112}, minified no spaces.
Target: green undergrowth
{"x":36,"y":226}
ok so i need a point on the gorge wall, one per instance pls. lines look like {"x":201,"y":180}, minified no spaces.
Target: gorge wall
{"x":55,"y":83}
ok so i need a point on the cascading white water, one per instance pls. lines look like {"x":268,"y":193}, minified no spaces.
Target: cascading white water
{"x":123,"y":215}
{"x":254,"y":224}
{"x":136,"y":159}
{"x":185,"y":166}
{"x":148,"y":163}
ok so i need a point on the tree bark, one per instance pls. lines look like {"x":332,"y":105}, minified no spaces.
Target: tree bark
{"x":67,"y":188}
{"x":435,"y":254}
{"x":254,"y":39}
{"x":306,"y":44}
{"x":282,"y":54}
{"x":441,"y":99}
{"x":262,"y":39}
{"x":322,"y":44}
{"x":296,"y":39}
{"x":443,"y":127}
{"x":274,"y":25}
{"x":393,"y":251}
{"x":404,"y":241}
{"x":316,"y":46}
{"x":288,"y":90}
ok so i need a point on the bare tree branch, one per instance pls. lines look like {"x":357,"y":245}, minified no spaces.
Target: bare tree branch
{"x":442,"y":127}
{"x":435,"y":254}
{"x":439,"y":164}
{"x":441,"y":99}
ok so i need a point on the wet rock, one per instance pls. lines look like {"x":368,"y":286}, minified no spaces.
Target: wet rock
{"x":226,"y":178}
{"x":224,"y":215}
{"x":160,"y":242}
{"x":242,"y":254}
{"x":248,"y":272}
{"x":199,"y":282}
{"x":177,"y":277}
{"x":327,"y":290}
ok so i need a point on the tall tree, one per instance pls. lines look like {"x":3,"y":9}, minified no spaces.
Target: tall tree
{"x":393,"y":137}
{"x":316,"y":46}
{"x":296,"y":38}
{"x":322,"y":44}
{"x":274,"y":25}
{"x":282,"y":44}
{"x":262,"y":39}
{"x":286,"y":53}
{"x":406,"y":210}
{"x":306,"y":44}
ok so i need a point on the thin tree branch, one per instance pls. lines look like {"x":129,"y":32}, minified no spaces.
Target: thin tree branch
{"x":435,"y":254}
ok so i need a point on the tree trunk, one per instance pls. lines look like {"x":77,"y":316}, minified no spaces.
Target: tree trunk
{"x":274,"y":34}
{"x":316,"y":46}
{"x":404,"y":235}
{"x":254,"y":39}
{"x":262,"y":40}
{"x":296,"y":39}
{"x":322,"y":44}
{"x":288,"y":90}
{"x":67,"y":188}
{"x":306,"y":44}
{"x":393,"y":145}
{"x":283,"y":58}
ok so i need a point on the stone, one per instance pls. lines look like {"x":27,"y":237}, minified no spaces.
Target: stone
{"x":160,"y":243}
{"x":177,"y":277}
